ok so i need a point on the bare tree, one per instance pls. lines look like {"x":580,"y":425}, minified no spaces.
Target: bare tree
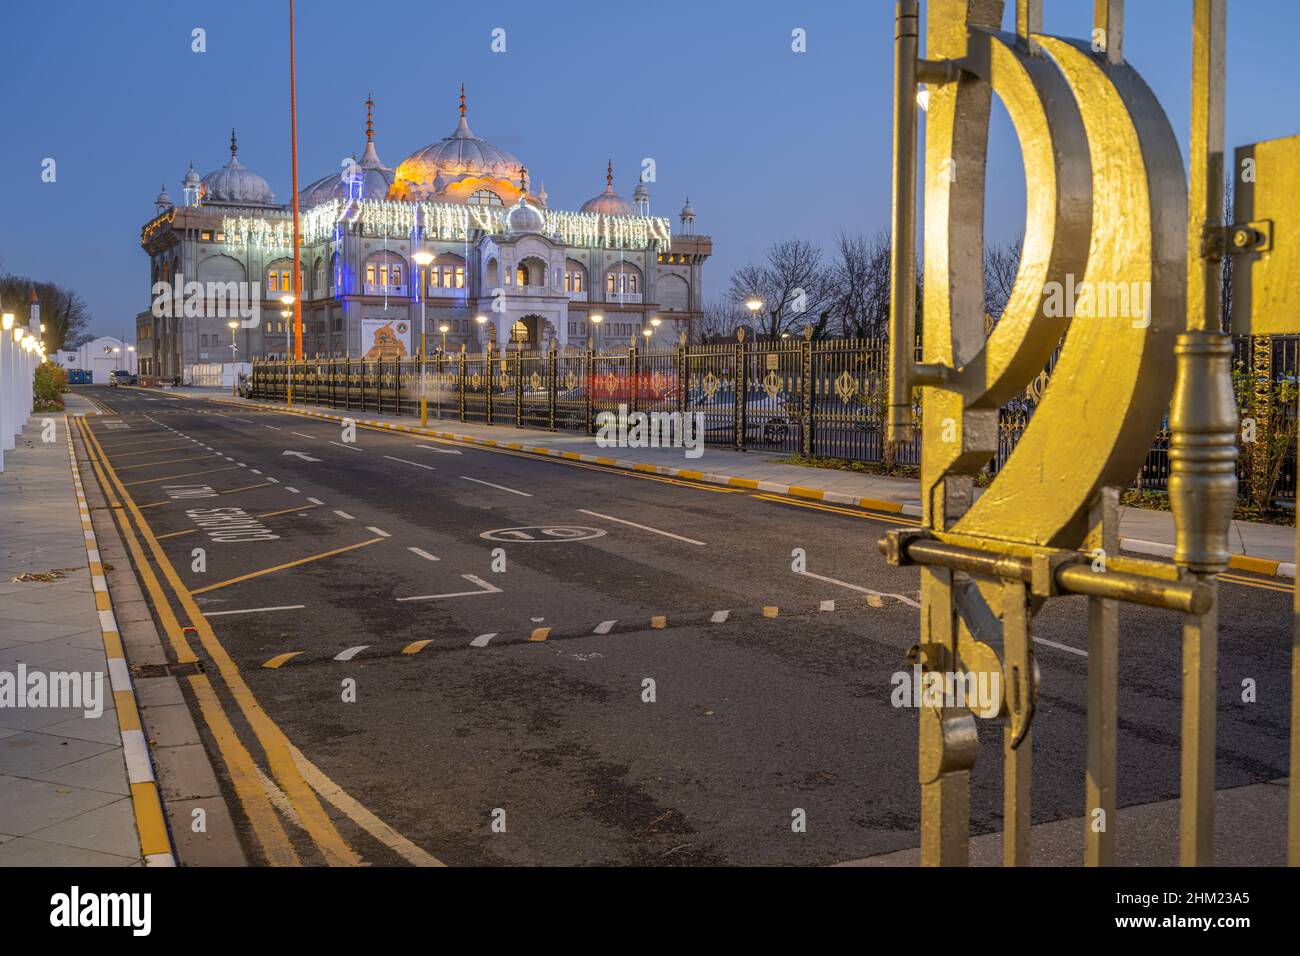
{"x":63,"y":313}
{"x":1001,"y":263}
{"x":721,"y":319}
{"x":859,"y":277}
{"x":793,"y":286}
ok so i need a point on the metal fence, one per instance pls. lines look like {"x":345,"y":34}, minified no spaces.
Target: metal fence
{"x":816,"y":399}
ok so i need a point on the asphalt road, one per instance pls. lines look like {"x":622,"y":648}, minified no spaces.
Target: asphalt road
{"x":448,"y":735}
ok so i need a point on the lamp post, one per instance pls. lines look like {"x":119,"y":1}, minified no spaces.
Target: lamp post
{"x":481,"y":320}
{"x":288,"y":300}
{"x":422,"y":259}
{"x":234,"y":374}
{"x":7,"y":391}
{"x":596,"y":319}
{"x":755,"y":305}
{"x":444,"y":328}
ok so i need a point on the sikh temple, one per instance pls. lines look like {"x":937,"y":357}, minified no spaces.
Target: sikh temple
{"x":507,"y":265}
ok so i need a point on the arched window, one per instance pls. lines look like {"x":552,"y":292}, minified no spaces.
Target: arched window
{"x":519,"y":333}
{"x":318,"y":285}
{"x":484,"y":197}
{"x":521,"y":275}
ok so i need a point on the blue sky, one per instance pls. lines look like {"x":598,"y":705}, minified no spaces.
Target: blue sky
{"x":768,"y":143}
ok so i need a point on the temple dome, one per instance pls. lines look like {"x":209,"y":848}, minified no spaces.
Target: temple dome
{"x":523,"y":216}
{"x":375,"y":177}
{"x":456,"y":159}
{"x":608,"y":203}
{"x":236,"y":185}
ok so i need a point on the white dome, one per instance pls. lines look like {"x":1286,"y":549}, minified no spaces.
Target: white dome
{"x":236,"y":185}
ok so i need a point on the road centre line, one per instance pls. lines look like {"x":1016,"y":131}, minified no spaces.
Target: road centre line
{"x":316,"y":501}
{"x":379,"y":531}
{"x":346,"y":445}
{"x":301,"y":435}
{"x":415,"y":463}
{"x":343,"y":514}
{"x":522,"y":494}
{"x":482,"y":640}
{"x":422,"y":553}
{"x":255,"y":610}
{"x":350,"y":653}
{"x":604,"y":627}
{"x":443,"y":451}
{"x":666,"y":534}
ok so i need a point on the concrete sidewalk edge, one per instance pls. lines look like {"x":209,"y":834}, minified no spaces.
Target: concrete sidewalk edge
{"x":150,"y":824}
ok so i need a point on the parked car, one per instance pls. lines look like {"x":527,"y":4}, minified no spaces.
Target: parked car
{"x":121,"y":377}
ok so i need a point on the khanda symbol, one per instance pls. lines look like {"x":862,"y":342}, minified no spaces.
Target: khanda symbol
{"x":1107,"y":215}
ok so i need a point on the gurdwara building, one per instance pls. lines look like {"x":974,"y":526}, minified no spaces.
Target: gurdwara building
{"x":506,"y":265}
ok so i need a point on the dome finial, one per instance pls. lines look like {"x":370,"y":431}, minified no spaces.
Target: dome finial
{"x":523,"y":176}
{"x":462,"y":99}
{"x":233,"y":147}
{"x":609,"y":174}
{"x":370,"y":117}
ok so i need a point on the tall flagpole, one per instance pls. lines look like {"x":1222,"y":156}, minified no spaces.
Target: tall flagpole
{"x":297,"y":252}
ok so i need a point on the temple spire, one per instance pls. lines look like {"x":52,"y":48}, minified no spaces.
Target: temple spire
{"x":462,"y":100}
{"x":234,"y":148}
{"x":370,"y":117}
{"x":609,"y":175}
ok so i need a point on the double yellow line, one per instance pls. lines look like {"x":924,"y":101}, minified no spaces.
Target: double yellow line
{"x":279,"y":752}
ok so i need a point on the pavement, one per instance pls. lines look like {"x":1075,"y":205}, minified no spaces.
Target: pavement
{"x":74,"y":780}
{"x":1256,"y":547}
{"x":407,"y":648}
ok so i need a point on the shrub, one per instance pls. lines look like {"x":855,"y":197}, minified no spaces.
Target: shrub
{"x":51,"y":381}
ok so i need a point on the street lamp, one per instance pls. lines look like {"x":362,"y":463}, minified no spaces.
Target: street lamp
{"x":596,"y":319}
{"x":422,"y":259}
{"x":481,"y":319}
{"x":288,"y":347}
{"x":234,"y":375}
{"x":444,"y":328}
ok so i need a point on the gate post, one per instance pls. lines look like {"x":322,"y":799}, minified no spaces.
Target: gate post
{"x":461,"y":381}
{"x":806,"y":393}
{"x":519,"y":388}
{"x":740,"y":378}
{"x":589,"y":384}
{"x":632,"y":376}
{"x":552,"y":398}
{"x":488,"y":382}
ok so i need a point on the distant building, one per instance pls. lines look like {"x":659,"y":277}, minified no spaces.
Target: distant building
{"x":101,"y":357}
{"x":537,"y":274}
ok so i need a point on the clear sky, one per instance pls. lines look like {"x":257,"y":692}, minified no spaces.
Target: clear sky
{"x":768,"y":143}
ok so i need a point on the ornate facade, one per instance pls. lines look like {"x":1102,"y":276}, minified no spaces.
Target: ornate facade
{"x":506,"y":264}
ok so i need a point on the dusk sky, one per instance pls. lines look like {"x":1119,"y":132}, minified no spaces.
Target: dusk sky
{"x":768,"y":143}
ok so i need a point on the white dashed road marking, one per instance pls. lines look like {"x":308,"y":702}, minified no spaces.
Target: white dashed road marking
{"x":633,"y":524}
{"x":719,"y":617}
{"x":482,"y":640}
{"x":479,"y":481}
{"x":350,"y":653}
{"x":343,"y":514}
{"x":422,"y":553}
{"x":604,"y":627}
{"x":415,"y":463}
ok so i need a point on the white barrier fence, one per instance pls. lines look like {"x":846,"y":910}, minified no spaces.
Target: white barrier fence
{"x":20,"y":353}
{"x":216,"y":374}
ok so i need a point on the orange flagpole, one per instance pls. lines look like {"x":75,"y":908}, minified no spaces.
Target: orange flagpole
{"x":297,"y":252}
